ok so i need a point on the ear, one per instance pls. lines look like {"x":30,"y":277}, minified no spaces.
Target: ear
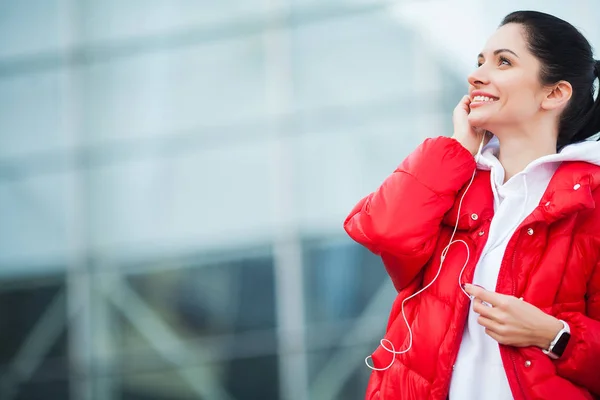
{"x":557,"y":96}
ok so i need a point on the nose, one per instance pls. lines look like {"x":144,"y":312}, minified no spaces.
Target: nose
{"x":479,"y":77}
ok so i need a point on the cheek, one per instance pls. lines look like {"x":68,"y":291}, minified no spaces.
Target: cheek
{"x":520,"y":104}
{"x":519,"y":97}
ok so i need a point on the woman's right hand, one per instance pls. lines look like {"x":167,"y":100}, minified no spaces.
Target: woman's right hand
{"x":467,"y":135}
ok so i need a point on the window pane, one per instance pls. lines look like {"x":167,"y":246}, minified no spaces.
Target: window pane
{"x":340,"y":60}
{"x":30,"y":26}
{"x":212,"y":319}
{"x":114,"y":19}
{"x":341,"y":277}
{"x":348,"y":297}
{"x":23,"y":96}
{"x":34,"y":227}
{"x":346,"y":381}
{"x":180,"y":90}
{"x":246,"y":378}
{"x":33,"y":341}
{"x":53,"y":389}
{"x":229,"y":296}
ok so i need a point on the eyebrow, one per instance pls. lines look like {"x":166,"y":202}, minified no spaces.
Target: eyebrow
{"x":496,"y":52}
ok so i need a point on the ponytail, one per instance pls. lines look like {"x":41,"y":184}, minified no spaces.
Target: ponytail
{"x":591,"y":118}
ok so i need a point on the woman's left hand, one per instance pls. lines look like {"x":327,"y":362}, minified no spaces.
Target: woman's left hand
{"x":512,"y":321}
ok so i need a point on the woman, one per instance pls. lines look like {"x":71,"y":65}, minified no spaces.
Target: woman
{"x":523,"y":219}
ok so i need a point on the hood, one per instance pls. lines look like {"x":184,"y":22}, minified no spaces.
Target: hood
{"x":537,"y":174}
{"x":588,"y":151}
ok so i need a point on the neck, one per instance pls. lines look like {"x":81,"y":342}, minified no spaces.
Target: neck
{"x":516,"y":152}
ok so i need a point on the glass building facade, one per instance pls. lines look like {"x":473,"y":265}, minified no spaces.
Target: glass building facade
{"x":174,"y":176}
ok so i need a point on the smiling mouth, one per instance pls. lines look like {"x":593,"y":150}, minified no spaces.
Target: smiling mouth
{"x":484,"y":99}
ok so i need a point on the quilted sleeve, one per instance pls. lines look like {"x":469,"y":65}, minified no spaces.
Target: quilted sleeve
{"x":401,"y":220}
{"x":580,"y":362}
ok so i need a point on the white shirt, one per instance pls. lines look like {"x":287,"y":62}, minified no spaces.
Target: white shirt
{"x":478,"y":371}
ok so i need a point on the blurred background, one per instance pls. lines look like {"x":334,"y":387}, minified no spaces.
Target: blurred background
{"x":174,"y":175}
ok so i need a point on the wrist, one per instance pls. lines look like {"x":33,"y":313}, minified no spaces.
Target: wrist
{"x":549,"y":332}
{"x":462,"y":143}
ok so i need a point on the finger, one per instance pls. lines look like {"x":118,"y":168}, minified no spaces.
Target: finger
{"x":491,"y":325}
{"x":494,"y":330}
{"x":466,"y":102}
{"x":485,"y":303}
{"x":484,"y":309}
{"x":493,"y":298}
{"x":497,"y":337}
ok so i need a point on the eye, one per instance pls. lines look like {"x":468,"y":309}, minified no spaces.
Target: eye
{"x":479,"y":64}
{"x":503,"y":61}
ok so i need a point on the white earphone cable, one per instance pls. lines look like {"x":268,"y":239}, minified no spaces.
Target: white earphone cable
{"x":443,"y":257}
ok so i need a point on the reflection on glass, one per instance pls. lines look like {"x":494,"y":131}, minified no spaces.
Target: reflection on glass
{"x":220,"y":322}
{"x":340,"y":279}
{"x":33,"y":349}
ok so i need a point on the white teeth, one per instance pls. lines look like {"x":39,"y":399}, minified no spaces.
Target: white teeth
{"x":483,"y":98}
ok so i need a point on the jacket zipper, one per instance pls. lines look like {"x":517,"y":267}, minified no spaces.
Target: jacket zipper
{"x":514,"y":293}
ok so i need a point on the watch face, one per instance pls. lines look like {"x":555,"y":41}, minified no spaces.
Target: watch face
{"x":561,"y":344}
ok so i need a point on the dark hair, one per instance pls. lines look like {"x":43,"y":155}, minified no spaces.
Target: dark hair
{"x":565,"y":55}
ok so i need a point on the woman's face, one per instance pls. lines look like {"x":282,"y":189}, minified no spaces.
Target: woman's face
{"x":505,"y":89}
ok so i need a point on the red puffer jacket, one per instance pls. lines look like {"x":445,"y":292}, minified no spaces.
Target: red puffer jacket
{"x":552,"y":261}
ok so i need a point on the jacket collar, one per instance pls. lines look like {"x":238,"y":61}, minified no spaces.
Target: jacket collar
{"x":570,"y":190}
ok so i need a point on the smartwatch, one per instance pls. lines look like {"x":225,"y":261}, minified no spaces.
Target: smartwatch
{"x":559,"y":344}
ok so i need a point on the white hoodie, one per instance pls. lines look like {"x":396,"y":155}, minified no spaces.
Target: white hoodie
{"x":478,"y":371}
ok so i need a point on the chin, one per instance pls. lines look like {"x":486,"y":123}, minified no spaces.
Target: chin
{"x":479,"y":119}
